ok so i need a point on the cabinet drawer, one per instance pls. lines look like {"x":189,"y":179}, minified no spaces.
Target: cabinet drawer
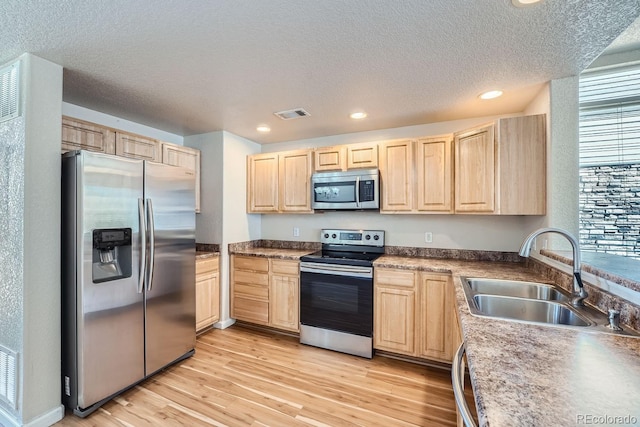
{"x":284,"y":267}
{"x":207,"y":265}
{"x":251,"y":263}
{"x":260,"y":292}
{"x":393,"y":277}
{"x":249,"y":277}
{"x":251,"y":310}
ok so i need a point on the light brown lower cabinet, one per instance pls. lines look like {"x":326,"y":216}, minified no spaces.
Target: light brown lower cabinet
{"x":413,"y":313}
{"x":265,"y":291}
{"x":207,"y":292}
{"x":394,"y":310}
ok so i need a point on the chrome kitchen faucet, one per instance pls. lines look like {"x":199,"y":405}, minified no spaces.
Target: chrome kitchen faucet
{"x":578,"y":293}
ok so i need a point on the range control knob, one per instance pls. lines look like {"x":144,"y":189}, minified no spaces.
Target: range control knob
{"x":368,"y":237}
{"x":326,"y":235}
{"x":376,"y":237}
{"x":333,"y":236}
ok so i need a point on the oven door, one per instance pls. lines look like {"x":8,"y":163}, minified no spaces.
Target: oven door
{"x":337,"y":297}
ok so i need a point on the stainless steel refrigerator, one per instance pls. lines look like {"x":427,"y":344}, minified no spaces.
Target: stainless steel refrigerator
{"x":128,"y":273}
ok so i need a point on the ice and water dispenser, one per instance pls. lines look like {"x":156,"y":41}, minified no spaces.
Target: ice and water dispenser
{"x":111,"y":254}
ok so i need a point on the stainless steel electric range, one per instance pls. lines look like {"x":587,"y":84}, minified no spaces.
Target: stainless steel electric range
{"x":336,"y":291}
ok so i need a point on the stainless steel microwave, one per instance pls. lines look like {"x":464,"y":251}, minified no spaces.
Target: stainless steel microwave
{"x":356,"y":189}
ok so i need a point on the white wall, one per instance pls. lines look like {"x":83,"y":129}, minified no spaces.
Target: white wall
{"x":93,"y":116}
{"x":39,"y":382}
{"x":563,"y":159}
{"x":478,"y":232}
{"x":238,"y":226}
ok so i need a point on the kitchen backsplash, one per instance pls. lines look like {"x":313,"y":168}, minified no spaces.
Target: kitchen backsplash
{"x":275,"y":244}
{"x":207,"y":247}
{"x":461,"y":254}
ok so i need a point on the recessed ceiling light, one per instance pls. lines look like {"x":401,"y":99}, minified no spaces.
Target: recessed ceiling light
{"x":358,"y":115}
{"x":263,"y":128}
{"x":490,"y":94}
{"x":523,"y":3}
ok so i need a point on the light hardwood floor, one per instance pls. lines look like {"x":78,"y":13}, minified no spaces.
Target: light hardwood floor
{"x":244,"y":377}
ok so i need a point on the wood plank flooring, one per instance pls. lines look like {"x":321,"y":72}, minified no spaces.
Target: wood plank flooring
{"x":243,"y":377}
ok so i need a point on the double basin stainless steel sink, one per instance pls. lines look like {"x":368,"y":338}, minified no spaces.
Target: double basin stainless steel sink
{"x":530,"y":302}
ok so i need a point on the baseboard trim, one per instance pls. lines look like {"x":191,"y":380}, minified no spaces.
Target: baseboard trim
{"x":44,"y":420}
{"x":224,"y":324}
{"x":47,"y":419}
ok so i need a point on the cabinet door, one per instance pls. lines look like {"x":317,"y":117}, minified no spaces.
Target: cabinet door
{"x":138,"y":147}
{"x":207,"y":292}
{"x":522,"y":165}
{"x":176,"y":155}
{"x":294,"y":181}
{"x":362,"y":156}
{"x":330,"y":159}
{"x":203,"y":301}
{"x":284,"y":302}
{"x":262,"y":183}
{"x":81,"y":135}
{"x":434,"y":174}
{"x":435,"y":329}
{"x":394,"y":320}
{"x":396,"y":173}
{"x":475,"y":170}
{"x":215,"y":297}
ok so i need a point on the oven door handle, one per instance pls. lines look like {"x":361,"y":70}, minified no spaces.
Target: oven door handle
{"x":337,"y":269}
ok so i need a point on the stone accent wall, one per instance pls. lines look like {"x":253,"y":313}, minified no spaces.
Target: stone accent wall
{"x":610,"y":209}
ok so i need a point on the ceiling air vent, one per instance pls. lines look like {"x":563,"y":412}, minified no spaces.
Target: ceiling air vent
{"x":9,"y":92}
{"x":296,"y":113}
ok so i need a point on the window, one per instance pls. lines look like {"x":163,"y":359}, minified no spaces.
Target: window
{"x":610,"y":161}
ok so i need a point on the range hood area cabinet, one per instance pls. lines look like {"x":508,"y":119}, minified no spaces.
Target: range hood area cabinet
{"x":279,"y":182}
{"x":346,"y":157}
{"x":82,"y":135}
{"x":500,"y":168}
{"x":417,"y":175}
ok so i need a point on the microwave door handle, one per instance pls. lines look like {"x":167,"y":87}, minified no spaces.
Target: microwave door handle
{"x":358,"y":191}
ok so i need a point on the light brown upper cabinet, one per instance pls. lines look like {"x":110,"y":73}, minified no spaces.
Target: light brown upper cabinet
{"x":396,"y":173}
{"x":344,"y":157}
{"x":279,"y":182}
{"x":189,"y":158}
{"x":330,"y":158}
{"x":500,"y":168}
{"x":138,"y":147}
{"x":417,"y":175}
{"x":81,"y":135}
{"x":434,"y":174}
{"x":362,"y":155}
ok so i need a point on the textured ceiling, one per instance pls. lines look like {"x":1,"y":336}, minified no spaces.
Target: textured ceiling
{"x":195,"y":66}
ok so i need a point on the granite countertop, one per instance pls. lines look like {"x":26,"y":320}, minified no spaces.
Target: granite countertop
{"x":530,"y":375}
{"x":290,"y":254}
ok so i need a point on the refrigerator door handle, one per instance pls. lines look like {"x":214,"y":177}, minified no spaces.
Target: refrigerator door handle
{"x":142,"y":223}
{"x":152,"y":243}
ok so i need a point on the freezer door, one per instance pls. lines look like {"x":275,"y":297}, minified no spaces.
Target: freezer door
{"x":170,"y":294}
{"x":109,"y":314}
